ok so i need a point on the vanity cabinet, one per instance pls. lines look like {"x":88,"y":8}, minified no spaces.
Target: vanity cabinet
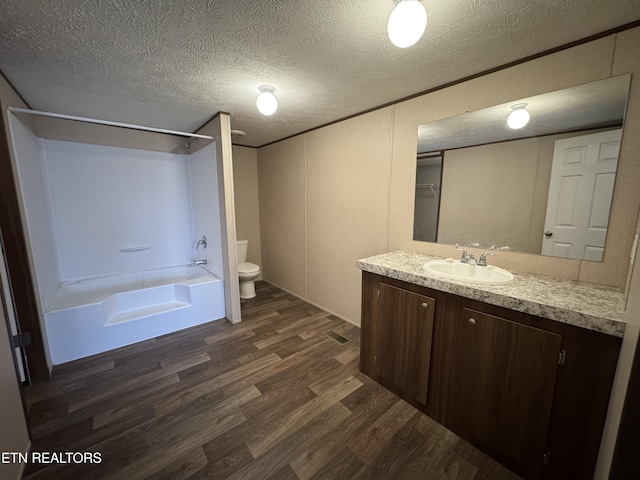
{"x":530,"y":392}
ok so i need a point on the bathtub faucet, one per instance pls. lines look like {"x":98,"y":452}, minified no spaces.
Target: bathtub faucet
{"x":199,"y":262}
{"x":202,"y":241}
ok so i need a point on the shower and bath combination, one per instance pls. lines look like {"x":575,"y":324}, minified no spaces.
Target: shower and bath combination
{"x":129,"y":284}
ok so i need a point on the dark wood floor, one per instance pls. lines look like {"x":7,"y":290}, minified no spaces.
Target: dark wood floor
{"x":277,"y":396}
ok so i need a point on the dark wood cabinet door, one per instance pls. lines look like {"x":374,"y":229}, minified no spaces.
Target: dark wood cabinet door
{"x":402,"y":346}
{"x":503,"y":381}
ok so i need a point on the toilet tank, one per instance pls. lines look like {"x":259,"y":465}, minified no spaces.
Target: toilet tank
{"x":242,"y":247}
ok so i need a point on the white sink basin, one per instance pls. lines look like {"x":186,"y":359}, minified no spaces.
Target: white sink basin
{"x":456,"y":270}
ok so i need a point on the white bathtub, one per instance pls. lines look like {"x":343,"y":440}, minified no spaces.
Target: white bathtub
{"x":99,"y":314}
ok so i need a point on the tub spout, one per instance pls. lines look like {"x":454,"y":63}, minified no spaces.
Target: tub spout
{"x":200,"y":262}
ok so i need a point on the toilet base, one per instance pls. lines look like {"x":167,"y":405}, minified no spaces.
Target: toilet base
{"x":247,"y":290}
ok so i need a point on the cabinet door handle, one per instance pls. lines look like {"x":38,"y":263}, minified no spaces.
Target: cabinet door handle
{"x":425,"y":305}
{"x":472,"y":321}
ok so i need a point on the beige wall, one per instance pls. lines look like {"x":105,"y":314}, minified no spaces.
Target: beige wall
{"x":281,"y":187}
{"x":323,"y":203}
{"x":13,"y":433}
{"x":245,"y":187}
{"x":347,"y":207}
{"x":626,"y":196}
{"x":318,"y":216}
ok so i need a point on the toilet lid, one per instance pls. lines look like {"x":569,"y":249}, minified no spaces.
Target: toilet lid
{"x":248,"y":267}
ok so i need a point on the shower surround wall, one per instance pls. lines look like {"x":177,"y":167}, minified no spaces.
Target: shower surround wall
{"x":35,"y":196}
{"x":203,"y":186}
{"x":117,"y":210}
{"x":101,"y":211}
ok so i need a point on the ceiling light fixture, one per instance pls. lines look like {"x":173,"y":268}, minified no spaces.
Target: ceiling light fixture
{"x":519,"y":117}
{"x":267,"y":102}
{"x":407,"y":23}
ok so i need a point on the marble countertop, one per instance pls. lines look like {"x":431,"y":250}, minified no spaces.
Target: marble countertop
{"x":584,"y":305}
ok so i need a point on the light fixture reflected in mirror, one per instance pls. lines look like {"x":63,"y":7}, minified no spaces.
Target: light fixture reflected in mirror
{"x":267,"y":102}
{"x":407,"y":23}
{"x":519,"y":116}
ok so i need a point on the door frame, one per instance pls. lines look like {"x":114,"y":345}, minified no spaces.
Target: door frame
{"x":9,"y":310}
{"x":17,"y":264}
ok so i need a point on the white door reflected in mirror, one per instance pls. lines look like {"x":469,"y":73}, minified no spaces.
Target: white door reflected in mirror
{"x":580,"y":192}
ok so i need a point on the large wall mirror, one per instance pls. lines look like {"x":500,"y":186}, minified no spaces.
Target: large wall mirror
{"x":544,"y":188}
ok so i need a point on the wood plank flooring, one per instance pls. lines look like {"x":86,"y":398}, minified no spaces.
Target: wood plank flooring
{"x":276,"y":397}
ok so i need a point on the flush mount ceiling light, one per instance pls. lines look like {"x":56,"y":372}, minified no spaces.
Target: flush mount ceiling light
{"x":267,"y":102}
{"x":519,"y":117}
{"x":407,"y":23}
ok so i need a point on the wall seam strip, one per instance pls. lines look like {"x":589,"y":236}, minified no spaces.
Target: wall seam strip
{"x":390,"y":180}
{"x":306,"y":270}
{"x":613,"y":55}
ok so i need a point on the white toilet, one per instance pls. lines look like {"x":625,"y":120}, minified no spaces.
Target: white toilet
{"x":247,"y":271}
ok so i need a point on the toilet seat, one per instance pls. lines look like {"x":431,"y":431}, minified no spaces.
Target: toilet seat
{"x":248,"y":268}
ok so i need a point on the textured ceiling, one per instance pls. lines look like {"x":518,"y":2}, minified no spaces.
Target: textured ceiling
{"x":174,"y":64}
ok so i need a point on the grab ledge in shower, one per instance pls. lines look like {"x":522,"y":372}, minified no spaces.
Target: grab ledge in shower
{"x":136,"y":248}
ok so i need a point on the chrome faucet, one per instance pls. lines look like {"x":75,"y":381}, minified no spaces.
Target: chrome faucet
{"x":483,"y":258}
{"x":195,"y":263}
{"x":482,"y":261}
{"x":202,"y":241}
{"x":466,"y":257}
